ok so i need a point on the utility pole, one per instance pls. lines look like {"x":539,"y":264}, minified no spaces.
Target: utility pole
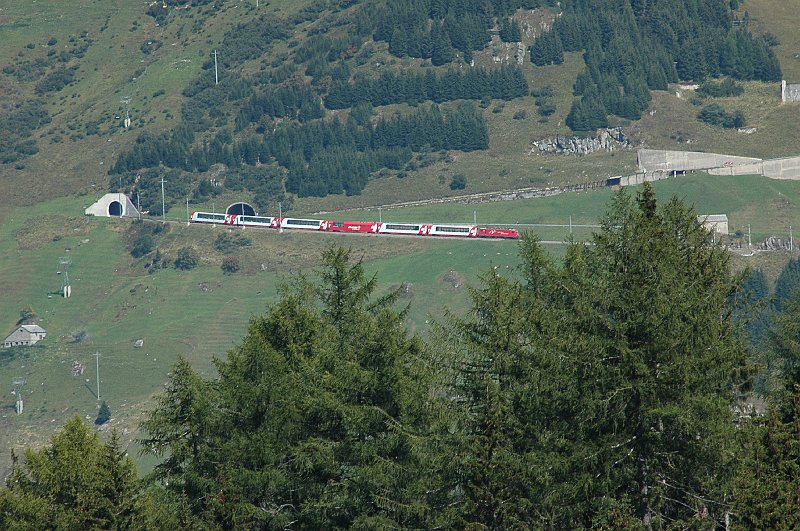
{"x":570,"y":224}
{"x":188,"y":219}
{"x":97,"y":358}
{"x":791,"y":242}
{"x":138,"y":206}
{"x":126,"y":123}
{"x":280,"y":217}
{"x":163,"y":208}
{"x":18,"y":383}
{"x":474,"y":217}
{"x":380,"y":215}
{"x":749,"y":240}
{"x":216,"y":73}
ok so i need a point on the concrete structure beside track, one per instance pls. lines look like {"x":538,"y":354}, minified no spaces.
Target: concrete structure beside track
{"x":655,"y":164}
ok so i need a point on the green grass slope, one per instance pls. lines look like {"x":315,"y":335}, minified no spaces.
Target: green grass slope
{"x":198,"y":314}
{"x":202,"y":313}
{"x":129,"y":55}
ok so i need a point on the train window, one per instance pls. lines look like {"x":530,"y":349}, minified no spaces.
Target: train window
{"x":306,"y":222}
{"x":452,"y":229}
{"x":220,"y":217}
{"x":400,"y":227}
{"x":338,"y":224}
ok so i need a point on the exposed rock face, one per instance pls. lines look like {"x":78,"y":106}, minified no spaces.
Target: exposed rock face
{"x":773,"y":243}
{"x":604,"y":139}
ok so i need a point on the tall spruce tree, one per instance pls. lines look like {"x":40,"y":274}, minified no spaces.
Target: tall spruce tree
{"x":318,"y":415}
{"x":768,"y":481}
{"x":667,"y":360}
{"x":599,"y":393}
{"x":76,"y":482}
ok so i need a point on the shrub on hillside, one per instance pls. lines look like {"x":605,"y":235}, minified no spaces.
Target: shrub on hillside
{"x":142,"y":245}
{"x":230,"y":265}
{"x":228,"y":242}
{"x":459,"y":182}
{"x":187,"y":259}
{"x":714,"y":114}
{"x":723,"y":89}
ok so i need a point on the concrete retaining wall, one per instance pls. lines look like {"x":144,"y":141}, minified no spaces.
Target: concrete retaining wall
{"x":787,"y":168}
{"x":790,"y":93}
{"x":656,"y":160}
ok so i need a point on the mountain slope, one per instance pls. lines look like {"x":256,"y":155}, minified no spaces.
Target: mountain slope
{"x":72,"y":72}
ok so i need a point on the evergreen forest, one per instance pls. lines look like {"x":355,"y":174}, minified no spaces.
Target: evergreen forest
{"x":325,"y":118}
{"x":612,"y":388}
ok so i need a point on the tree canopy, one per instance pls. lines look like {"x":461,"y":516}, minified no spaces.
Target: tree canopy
{"x":76,"y":482}
{"x":605,"y":389}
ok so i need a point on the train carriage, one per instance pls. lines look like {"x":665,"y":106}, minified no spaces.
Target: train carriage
{"x":489,"y":232}
{"x":210,"y":217}
{"x":304,"y":224}
{"x":257,"y":221}
{"x":413,"y":229}
{"x":353,"y":226}
{"x":464,"y":231}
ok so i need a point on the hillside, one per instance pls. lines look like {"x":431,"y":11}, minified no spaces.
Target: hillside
{"x":285,"y":69}
{"x":70,"y":72}
{"x":200,"y":314}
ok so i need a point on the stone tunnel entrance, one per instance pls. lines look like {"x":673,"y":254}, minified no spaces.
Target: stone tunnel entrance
{"x":115,"y":208}
{"x":241,"y":208}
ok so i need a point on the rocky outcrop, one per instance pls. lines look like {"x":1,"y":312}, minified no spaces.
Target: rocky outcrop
{"x":773,"y":243}
{"x":604,"y":140}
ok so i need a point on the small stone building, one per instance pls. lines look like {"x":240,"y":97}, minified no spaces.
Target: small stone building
{"x":25,"y":335}
{"x":790,"y":92}
{"x":715,"y":222}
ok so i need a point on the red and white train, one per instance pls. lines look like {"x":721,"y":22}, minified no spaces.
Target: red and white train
{"x":365,"y":227}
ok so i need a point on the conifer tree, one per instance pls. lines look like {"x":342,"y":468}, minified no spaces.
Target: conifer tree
{"x":768,"y":480}
{"x":76,"y":482}
{"x":611,"y":378}
{"x":315,"y":420}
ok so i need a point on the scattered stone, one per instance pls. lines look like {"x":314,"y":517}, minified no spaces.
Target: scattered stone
{"x":407,"y":290}
{"x":605,"y":139}
{"x":773,"y":243}
{"x":77,"y":368}
{"x":453,"y":278}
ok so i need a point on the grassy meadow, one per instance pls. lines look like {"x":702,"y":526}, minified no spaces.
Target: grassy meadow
{"x":198,"y":314}
{"x":202,"y":313}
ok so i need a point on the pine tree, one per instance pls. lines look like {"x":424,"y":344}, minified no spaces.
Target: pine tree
{"x":610,"y":377}
{"x":315,"y":418}
{"x":765,"y":494}
{"x":766,"y":487}
{"x":788,"y":281}
{"x":76,"y":482}
{"x":441,"y":48}
{"x":667,"y":360}
{"x":510,"y":30}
